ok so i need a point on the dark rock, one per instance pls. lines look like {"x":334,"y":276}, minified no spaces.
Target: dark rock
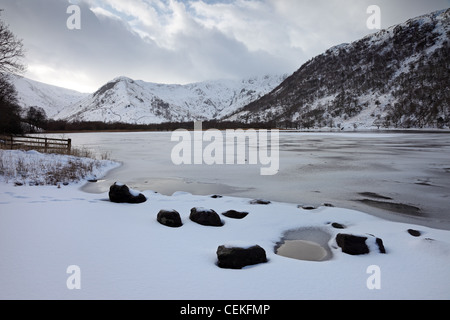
{"x":205,"y":217}
{"x":414,"y":233}
{"x":120,"y":193}
{"x":170,"y":218}
{"x":380,"y":245}
{"x":356,"y":245}
{"x":308,"y":207}
{"x":216,"y":196}
{"x":259,"y":201}
{"x":235,"y":214}
{"x":237,"y":258}
{"x":330,"y":205}
{"x":351,"y":244}
{"x":337,"y":225}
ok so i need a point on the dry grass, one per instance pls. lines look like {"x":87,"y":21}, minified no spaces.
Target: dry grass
{"x":33,"y":168}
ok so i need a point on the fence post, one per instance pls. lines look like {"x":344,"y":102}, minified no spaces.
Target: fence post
{"x":12,"y":143}
{"x":69,"y":145}
{"x":46,"y":145}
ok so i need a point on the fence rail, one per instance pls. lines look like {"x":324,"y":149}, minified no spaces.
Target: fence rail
{"x":35,"y":143}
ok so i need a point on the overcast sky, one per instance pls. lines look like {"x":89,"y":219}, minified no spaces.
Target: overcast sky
{"x":175,"y":41}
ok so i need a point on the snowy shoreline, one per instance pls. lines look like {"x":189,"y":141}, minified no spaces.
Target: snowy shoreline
{"x":123,"y":252}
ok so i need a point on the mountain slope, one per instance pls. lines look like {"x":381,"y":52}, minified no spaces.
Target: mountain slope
{"x":37,"y":94}
{"x":135,"y":101}
{"x":397,"y":77}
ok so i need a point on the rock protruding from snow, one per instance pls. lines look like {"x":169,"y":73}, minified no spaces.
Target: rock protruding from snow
{"x":237,"y":258}
{"x":338,"y":225}
{"x":120,"y":193}
{"x":356,"y":245}
{"x":259,"y":201}
{"x":235,"y":214}
{"x":169,"y":218}
{"x":414,"y":233}
{"x":351,"y":244}
{"x":205,"y":217}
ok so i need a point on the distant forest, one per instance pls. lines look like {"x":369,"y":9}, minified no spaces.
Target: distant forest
{"x":65,"y":126}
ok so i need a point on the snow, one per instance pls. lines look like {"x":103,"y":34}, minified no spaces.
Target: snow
{"x":35,"y":168}
{"x":136,"y":101}
{"x":51,"y":98}
{"x":124,"y":253}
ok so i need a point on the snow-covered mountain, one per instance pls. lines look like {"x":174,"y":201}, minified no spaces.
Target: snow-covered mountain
{"x":135,"y":101}
{"x":396,"y":77}
{"x":48,"y":97}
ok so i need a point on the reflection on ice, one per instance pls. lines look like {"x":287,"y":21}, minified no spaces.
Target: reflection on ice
{"x":166,"y":186}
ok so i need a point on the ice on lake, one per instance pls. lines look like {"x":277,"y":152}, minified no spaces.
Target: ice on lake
{"x":398,"y":176}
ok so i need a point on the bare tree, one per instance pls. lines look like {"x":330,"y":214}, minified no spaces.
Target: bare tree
{"x":11,"y":51}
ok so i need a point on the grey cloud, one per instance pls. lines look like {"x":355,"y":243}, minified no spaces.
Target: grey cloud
{"x":107,"y":47}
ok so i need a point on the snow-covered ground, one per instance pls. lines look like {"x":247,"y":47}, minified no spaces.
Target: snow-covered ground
{"x":36,"y":168}
{"x":51,"y":98}
{"x":122,"y":252}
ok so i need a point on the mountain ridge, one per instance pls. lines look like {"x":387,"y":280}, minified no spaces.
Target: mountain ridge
{"x":397,"y":77}
{"x":135,"y":101}
{"x":50,"y":98}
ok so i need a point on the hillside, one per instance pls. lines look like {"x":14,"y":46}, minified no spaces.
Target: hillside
{"x":134,"y":101}
{"x":50,"y":98}
{"x":397,"y":77}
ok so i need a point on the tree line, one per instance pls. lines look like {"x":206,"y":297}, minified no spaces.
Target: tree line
{"x":66,"y":126}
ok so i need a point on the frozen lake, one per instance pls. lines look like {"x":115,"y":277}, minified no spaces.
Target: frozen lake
{"x":397,"y":176}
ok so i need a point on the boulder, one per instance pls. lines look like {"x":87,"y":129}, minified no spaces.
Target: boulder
{"x":169,"y":218}
{"x":414,"y":233}
{"x":380,"y":244}
{"x":205,"y":217}
{"x":326,"y":204}
{"x":237,"y":258}
{"x":235,"y":214}
{"x":356,"y":245}
{"x":120,"y":193}
{"x":308,"y":207}
{"x":260,"y":201}
{"x":337,"y":225}
{"x":351,"y":244}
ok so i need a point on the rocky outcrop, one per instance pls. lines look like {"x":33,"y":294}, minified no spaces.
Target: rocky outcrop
{"x":120,"y":193}
{"x":205,"y":217}
{"x":235,"y":214}
{"x":237,"y":258}
{"x":356,"y":245}
{"x":260,"y":201}
{"x":414,"y":233}
{"x":169,"y":218}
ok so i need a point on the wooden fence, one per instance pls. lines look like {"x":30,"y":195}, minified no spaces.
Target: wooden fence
{"x":35,"y":143}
